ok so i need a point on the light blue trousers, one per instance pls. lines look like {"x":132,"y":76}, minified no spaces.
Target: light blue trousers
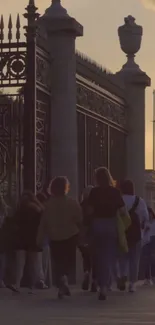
{"x":128,"y":263}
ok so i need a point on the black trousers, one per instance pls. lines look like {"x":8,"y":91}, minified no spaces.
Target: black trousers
{"x":63,"y":256}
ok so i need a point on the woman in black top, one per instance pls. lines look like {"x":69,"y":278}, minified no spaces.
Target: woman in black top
{"x":104,"y":202}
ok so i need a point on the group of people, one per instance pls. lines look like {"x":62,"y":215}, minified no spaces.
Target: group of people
{"x":111,"y":226}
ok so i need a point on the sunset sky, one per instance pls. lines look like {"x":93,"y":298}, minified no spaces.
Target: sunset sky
{"x":101,"y":19}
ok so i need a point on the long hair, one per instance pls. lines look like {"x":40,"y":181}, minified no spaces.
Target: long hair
{"x":103,"y":177}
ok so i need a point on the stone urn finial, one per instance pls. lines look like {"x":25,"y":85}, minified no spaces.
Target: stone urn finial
{"x":56,"y":10}
{"x":130,"y":37}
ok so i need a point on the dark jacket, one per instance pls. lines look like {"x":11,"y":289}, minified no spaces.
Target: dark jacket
{"x":27,"y":220}
{"x":7,"y":232}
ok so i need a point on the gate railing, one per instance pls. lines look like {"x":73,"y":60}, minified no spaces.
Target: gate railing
{"x":24,"y":107}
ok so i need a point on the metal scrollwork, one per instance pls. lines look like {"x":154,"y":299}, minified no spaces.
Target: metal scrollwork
{"x":43,"y":72}
{"x":42,"y":133}
{"x":12,"y":67}
{"x":99,"y":104}
{"x":40,"y":168}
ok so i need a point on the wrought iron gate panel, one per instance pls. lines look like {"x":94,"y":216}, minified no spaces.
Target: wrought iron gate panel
{"x":105,"y":129}
{"x":117,"y":154}
{"x":43,"y":91}
{"x":24,"y":119}
{"x":11,"y":146}
{"x":81,"y":127}
{"x":97,"y":147}
{"x":42,"y":139}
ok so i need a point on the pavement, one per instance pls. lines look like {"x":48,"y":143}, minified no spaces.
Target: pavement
{"x":44,"y":308}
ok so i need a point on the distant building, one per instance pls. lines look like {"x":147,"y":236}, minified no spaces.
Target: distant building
{"x":150,"y":188}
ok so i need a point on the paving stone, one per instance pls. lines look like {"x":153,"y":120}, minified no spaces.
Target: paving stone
{"x":43,"y":308}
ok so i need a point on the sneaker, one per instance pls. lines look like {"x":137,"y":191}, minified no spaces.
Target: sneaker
{"x":60,"y":294}
{"x":121,"y":283}
{"x":64,"y":287}
{"x":148,"y":282}
{"x":31,"y":291}
{"x":93,"y":287}
{"x":85,"y":284}
{"x":132,"y":288}
{"x":13,"y":288}
{"x":42,"y":285}
{"x":102,"y":295}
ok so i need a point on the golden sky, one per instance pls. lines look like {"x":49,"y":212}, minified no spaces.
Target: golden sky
{"x":101,"y":19}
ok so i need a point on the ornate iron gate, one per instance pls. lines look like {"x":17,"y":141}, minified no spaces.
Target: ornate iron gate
{"x":24,"y":108}
{"x":12,"y":77}
{"x":101,"y":133}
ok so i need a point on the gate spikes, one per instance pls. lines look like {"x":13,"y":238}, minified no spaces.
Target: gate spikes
{"x":31,"y":2}
{"x":56,"y":2}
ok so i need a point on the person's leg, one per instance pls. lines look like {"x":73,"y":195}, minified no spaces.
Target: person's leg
{"x":40,"y":272}
{"x":86,"y":266}
{"x":94,"y":271}
{"x":46,"y":265}
{"x":20,"y":264}
{"x":105,"y":250}
{"x":69,"y":250}
{"x":2,"y":269}
{"x":148,"y":263}
{"x":105,"y":241}
{"x":144,"y":262}
{"x":57,"y":252}
{"x":134,"y":259}
{"x":122,"y":274}
{"x":152,"y":258}
{"x":33,"y":268}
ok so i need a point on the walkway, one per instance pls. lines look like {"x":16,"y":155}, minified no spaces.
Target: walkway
{"x":81,"y":309}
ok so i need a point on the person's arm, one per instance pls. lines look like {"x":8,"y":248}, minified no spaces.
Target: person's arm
{"x":144,"y":215}
{"x":78,"y":215}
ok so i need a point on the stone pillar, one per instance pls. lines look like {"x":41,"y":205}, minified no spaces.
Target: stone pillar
{"x":135,"y":81}
{"x":62,"y":31}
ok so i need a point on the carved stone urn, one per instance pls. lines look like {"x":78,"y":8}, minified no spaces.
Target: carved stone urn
{"x":130,"y":37}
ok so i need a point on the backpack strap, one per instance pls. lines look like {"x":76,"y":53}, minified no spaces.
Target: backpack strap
{"x":135,"y":205}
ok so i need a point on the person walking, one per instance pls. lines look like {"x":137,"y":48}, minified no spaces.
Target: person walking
{"x":61,"y":223}
{"x":27,"y":220}
{"x":104,"y":203}
{"x":129,"y":262}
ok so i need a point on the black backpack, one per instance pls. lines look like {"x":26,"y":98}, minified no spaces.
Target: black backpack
{"x":133,"y":234}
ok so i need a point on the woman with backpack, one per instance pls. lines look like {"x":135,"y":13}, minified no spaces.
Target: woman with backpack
{"x":105,"y":202}
{"x":129,"y":262}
